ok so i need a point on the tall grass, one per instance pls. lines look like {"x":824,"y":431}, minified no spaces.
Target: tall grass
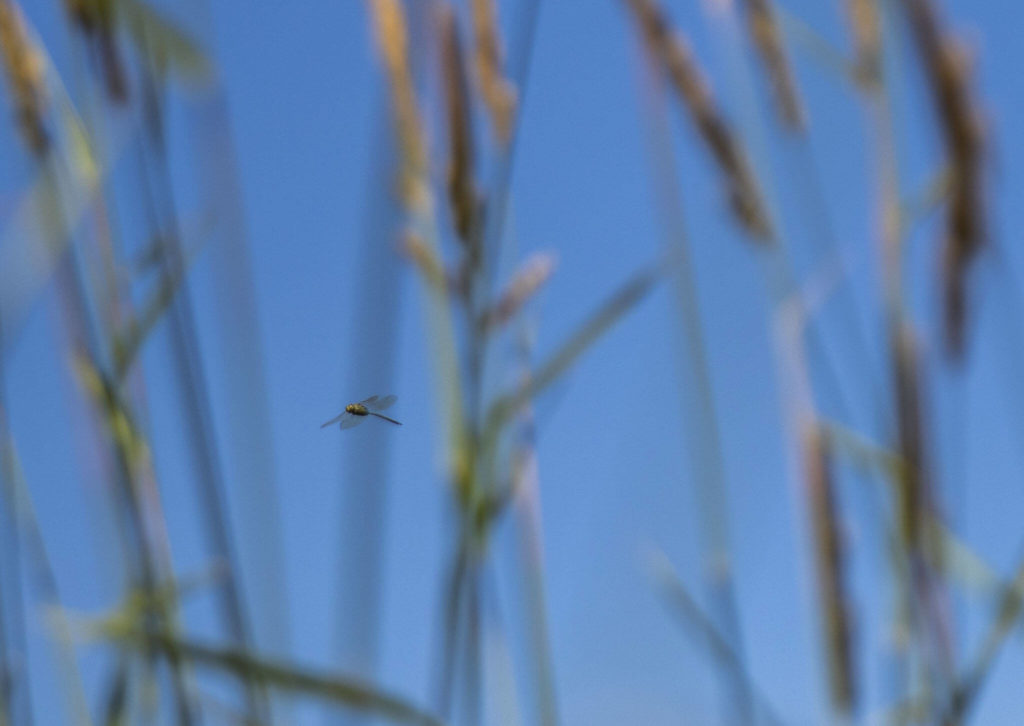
{"x":448,"y":221}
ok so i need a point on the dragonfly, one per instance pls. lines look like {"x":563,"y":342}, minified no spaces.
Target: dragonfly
{"x":355,"y":413}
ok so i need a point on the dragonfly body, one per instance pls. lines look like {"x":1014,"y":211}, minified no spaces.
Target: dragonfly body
{"x":355,"y":413}
{"x":357,"y":409}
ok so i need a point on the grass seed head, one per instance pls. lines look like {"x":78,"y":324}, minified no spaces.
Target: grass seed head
{"x":25,"y":70}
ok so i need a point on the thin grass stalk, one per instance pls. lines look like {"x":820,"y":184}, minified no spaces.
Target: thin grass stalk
{"x":472,"y":476}
{"x":781,"y":279}
{"x":915,"y":494}
{"x":781,"y":282}
{"x":684,"y":606}
{"x":131,"y":495}
{"x":506,"y":95}
{"x":878,"y":413}
{"x":866,"y":21}
{"x":474,"y":682}
{"x":389,"y":27}
{"x":141,"y":534}
{"x":96,"y":21}
{"x":15,"y":679}
{"x":23,"y":527}
{"x":85,"y":337}
{"x":526,"y":493}
{"x":964,"y":694}
{"x":43,"y":582}
{"x":478,"y":481}
{"x":141,"y":512}
{"x":196,"y":403}
{"x":475,"y":474}
{"x":365,"y":490}
{"x":747,"y":192}
{"x":392,"y":40}
{"x":831,"y":568}
{"x":703,"y":429}
{"x":954,"y":704}
{"x":249,"y":450}
{"x":497,"y":194}
{"x":815,"y":471}
{"x":116,"y":694}
{"x":9,"y":681}
{"x":478,"y":494}
{"x":452,"y":598}
{"x":11,"y":626}
{"x":815,"y":207}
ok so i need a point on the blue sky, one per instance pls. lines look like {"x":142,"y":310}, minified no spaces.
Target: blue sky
{"x":308,"y":115}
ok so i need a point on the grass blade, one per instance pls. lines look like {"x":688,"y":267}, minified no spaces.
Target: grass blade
{"x":620,"y":303}
{"x":682,"y":604}
{"x":248,"y":667}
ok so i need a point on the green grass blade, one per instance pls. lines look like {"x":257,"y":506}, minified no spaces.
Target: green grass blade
{"x":128,"y":343}
{"x":161,"y":37}
{"x":248,"y":667}
{"x":613,"y":309}
{"x":683,"y":605}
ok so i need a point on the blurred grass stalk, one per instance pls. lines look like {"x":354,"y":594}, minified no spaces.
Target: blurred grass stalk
{"x":128,"y":451}
{"x":919,"y":598}
{"x":119,"y":443}
{"x":251,"y":668}
{"x":249,"y":449}
{"x":478,"y":421}
{"x":161,"y":47}
{"x":670,"y":51}
{"x":815,"y":466}
{"x":24,"y":529}
{"x":489,"y":435}
{"x":696,"y":386}
{"x":684,"y":606}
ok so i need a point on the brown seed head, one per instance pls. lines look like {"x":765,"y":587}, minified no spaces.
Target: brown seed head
{"x":462,"y":195}
{"x":947,"y":68}
{"x":831,"y":566}
{"x":24,"y":67}
{"x":673,"y":55}
{"x":393,"y":43}
{"x":498,"y":93}
{"x":767,"y":38}
{"x":864,"y":22}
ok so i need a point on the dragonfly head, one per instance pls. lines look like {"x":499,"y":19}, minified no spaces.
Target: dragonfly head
{"x":356,"y":409}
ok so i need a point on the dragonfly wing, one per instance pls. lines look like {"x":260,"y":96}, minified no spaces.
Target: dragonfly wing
{"x":349,"y":420}
{"x":333,"y":420}
{"x":380,"y":404}
{"x":369,"y":402}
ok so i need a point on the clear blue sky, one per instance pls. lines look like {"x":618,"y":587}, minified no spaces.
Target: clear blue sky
{"x":306,"y":101}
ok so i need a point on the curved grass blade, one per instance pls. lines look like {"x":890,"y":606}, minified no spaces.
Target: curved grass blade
{"x":624,"y":300}
{"x":128,"y":343}
{"x":246,"y":666}
{"x":678,"y":599}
